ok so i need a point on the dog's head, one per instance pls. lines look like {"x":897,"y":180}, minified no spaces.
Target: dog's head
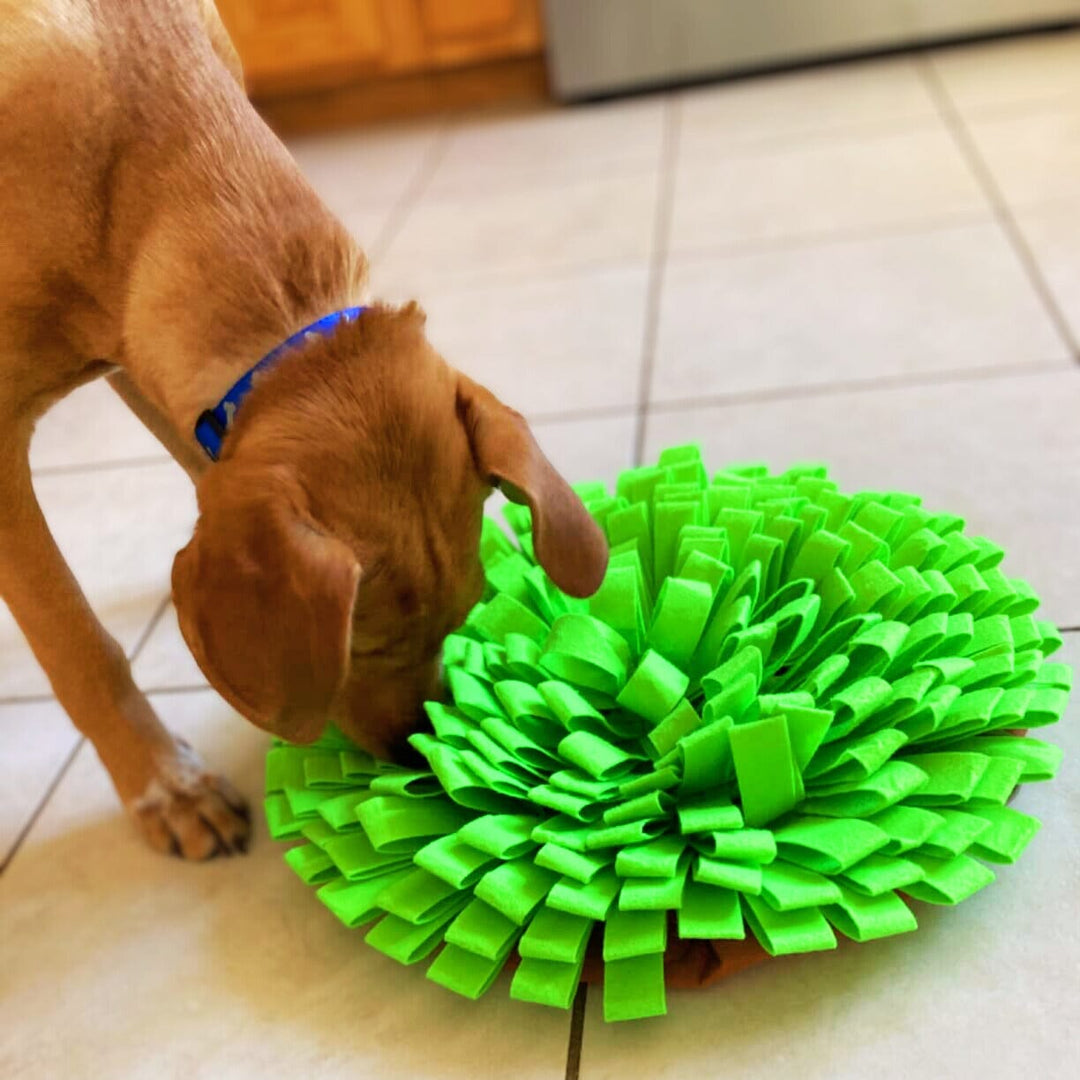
{"x":338,"y":538}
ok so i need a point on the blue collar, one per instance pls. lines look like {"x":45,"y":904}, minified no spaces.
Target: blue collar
{"x":214,"y":424}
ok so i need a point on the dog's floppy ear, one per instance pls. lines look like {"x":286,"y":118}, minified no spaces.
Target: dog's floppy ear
{"x":265,"y":604}
{"x":569,"y":544}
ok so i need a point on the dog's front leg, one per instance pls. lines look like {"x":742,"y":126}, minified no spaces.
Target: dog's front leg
{"x":177,"y":804}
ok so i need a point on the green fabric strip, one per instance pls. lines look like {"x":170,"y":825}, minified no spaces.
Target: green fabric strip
{"x":592,"y":900}
{"x":634,"y":933}
{"x":556,"y":935}
{"x":482,"y":930}
{"x":710,"y":912}
{"x":948,"y":881}
{"x":634,"y":988}
{"x":739,"y":845}
{"x":581,"y":866}
{"x":465,"y":973}
{"x":516,"y":888}
{"x":786,"y":887}
{"x":546,"y":982}
{"x":829,"y":845}
{"x":1009,"y":833}
{"x":454,"y":861}
{"x":782,"y":933}
{"x":404,"y":942}
{"x":709,"y":814}
{"x":354,"y":902}
{"x":868,"y":918}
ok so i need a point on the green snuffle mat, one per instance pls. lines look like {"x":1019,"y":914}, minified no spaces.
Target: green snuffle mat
{"x":786,"y":713}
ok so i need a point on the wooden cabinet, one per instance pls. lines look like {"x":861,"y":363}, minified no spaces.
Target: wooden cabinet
{"x":304,"y":45}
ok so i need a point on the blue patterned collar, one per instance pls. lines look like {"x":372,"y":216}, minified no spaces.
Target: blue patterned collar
{"x":214,"y":424}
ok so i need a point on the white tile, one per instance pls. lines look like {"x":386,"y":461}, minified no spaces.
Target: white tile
{"x":368,"y":165}
{"x":35,"y":740}
{"x":533,"y":230}
{"x":549,"y":144}
{"x":1053,"y":235}
{"x":732,"y":116}
{"x":986,"y":989}
{"x":120,"y":962}
{"x":551,"y":345}
{"x":91,"y":426}
{"x":119,"y":530}
{"x":944,"y":300}
{"x":845,"y":185}
{"x":165,"y":662}
{"x":1034,"y":157}
{"x":1003,"y":452}
{"x":1020,"y":73}
{"x":362,"y":175}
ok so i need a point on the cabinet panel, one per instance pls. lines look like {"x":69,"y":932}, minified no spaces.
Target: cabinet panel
{"x":457,"y":18}
{"x":303,"y":45}
{"x":305,"y":41}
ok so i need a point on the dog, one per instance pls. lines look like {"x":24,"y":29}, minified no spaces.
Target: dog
{"x":153,"y":231}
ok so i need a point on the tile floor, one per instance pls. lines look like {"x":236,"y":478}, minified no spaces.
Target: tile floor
{"x":874,"y":264}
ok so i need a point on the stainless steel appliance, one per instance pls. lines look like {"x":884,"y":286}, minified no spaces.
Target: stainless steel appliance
{"x":599,"y":47}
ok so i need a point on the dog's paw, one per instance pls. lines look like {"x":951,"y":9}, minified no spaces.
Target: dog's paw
{"x":186,"y":810}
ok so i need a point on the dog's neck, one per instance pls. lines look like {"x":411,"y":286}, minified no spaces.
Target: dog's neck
{"x":224,"y":275}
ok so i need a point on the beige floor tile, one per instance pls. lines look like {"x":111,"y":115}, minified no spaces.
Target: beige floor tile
{"x":551,"y":144}
{"x":568,"y":342}
{"x":1003,"y":452}
{"x":851,"y":185}
{"x":531,"y":230}
{"x":1034,"y":157}
{"x":363,"y":175}
{"x":720,"y":120}
{"x":121,"y":963}
{"x":987,"y":989}
{"x":1014,"y":73}
{"x":91,"y":426}
{"x":374,"y":165}
{"x":119,"y":530}
{"x":35,"y":740}
{"x":950,"y":299}
{"x":165,"y":662}
{"x":1053,"y":234}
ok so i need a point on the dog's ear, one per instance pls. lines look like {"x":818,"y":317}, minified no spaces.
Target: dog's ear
{"x":265,"y":602}
{"x":569,"y":544}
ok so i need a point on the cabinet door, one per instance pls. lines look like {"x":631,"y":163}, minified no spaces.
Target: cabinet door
{"x":471,"y":31}
{"x":305,"y":43}
{"x":456,"y":18}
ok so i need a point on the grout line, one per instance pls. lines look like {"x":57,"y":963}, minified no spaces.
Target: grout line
{"x":882,"y":383}
{"x":577,"y":1033}
{"x":477,"y":279}
{"x":165,"y":691}
{"x":1068,"y":629}
{"x":24,"y":832}
{"x":665,"y":203}
{"x":25,"y":699}
{"x":597,"y":412}
{"x":969,"y":150}
{"x":413,"y":193}
{"x":101,"y":466}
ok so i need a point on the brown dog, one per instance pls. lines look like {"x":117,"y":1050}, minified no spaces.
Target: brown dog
{"x":152,"y":229}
